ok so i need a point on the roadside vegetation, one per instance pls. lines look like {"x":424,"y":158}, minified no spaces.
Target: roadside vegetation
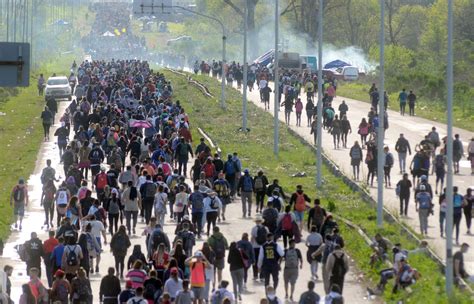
{"x":255,"y":150}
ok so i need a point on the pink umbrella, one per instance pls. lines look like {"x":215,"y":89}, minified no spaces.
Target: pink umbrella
{"x":140,"y":124}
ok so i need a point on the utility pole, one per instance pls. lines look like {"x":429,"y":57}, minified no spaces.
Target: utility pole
{"x":276,"y":81}
{"x":8,"y":20}
{"x":381,"y":115}
{"x":319,"y":107}
{"x":449,"y":153}
{"x":245,"y":68}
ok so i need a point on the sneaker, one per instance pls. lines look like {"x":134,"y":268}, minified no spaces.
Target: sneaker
{"x":16,"y":225}
{"x":20,"y":227}
{"x":134,"y":231}
{"x":97,"y":269}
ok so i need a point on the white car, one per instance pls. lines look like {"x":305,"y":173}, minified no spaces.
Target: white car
{"x":58,"y":87}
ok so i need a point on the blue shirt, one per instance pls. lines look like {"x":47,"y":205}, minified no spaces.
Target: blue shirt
{"x":57,"y":254}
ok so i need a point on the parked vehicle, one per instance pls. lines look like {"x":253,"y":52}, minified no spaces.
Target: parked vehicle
{"x":58,"y":87}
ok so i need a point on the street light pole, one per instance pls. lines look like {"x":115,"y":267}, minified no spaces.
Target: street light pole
{"x":224,"y":38}
{"x":449,"y":152}
{"x":319,"y":107}
{"x":276,"y":81}
{"x":381,"y":115}
{"x":244,"y":93}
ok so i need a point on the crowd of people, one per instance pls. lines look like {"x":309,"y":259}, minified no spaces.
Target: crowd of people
{"x":124,"y":147}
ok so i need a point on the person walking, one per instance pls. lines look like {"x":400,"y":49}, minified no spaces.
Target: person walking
{"x":148,"y":191}
{"x":258,"y":238}
{"x":182,"y":152}
{"x":47,"y":119}
{"x":245,"y":190}
{"x":387,"y":167}
{"x":363,"y":131}
{"x":470,"y":154}
{"x":131,"y":201}
{"x":309,"y":296}
{"x":197,"y":265}
{"x":212,"y":206}
{"x":458,"y":264}
{"x":314,"y":240}
{"x":356,"y":157}
{"x":237,"y":260}
{"x":298,"y":111}
{"x":246,"y":247}
{"x":423,"y":207}
{"x":19,"y":200}
{"x":299,"y":200}
{"x":402,"y":146}
{"x":467,"y":208}
{"x":439,"y":168}
{"x":458,"y":204}
{"x":345,"y":129}
{"x":402,"y":98}
{"x":337,"y":265}
{"x":219,"y":245}
{"x":403,"y":192}
{"x":223,"y":189}
{"x":119,"y":244}
{"x":285,"y":223}
{"x":458,"y":153}
{"x":411,"y":103}
{"x":109,"y":289}
{"x":269,"y":259}
{"x":335,"y":130}
{"x":293,"y":260}
{"x":260,"y":184}
{"x":309,"y":111}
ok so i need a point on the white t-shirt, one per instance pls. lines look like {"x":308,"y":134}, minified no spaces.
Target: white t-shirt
{"x":137,"y":300}
{"x":96,"y":228}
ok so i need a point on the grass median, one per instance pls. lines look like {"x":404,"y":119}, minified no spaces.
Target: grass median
{"x":21,"y":134}
{"x":255,"y":149}
{"x":425,"y":108}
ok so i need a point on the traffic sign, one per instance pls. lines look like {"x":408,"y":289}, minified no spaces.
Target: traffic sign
{"x":14,"y":64}
{"x":152,"y":7}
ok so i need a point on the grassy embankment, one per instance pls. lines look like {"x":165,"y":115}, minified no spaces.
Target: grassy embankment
{"x":255,"y":150}
{"x":21,"y":134}
{"x":429,"y":109}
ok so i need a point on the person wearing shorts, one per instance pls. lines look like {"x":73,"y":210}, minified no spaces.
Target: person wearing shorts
{"x":197,"y":267}
{"x":19,"y":200}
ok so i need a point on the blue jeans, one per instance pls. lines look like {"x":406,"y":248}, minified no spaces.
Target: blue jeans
{"x":442,"y":218}
{"x":402,"y":156}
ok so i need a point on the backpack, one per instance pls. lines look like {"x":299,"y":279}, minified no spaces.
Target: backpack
{"x":62,"y":198}
{"x":339,"y":269}
{"x":19,"y":194}
{"x":23,"y":252}
{"x":150,"y":292}
{"x":120,"y":243}
{"x":173,"y":182}
{"x":83,"y":292}
{"x":62,"y":292}
{"x":439,"y":162}
{"x":150,"y":190}
{"x":300,"y":204}
{"x":198,"y":201}
{"x":389,"y":160}
{"x":95,"y":156}
{"x":71,"y":257}
{"x":287,"y":222}
{"x":214,"y":205}
{"x":221,"y":188}
{"x":230,"y":167}
{"x":247,"y":185}
{"x":261,"y":237}
{"x":219,"y":248}
{"x":328,"y":249}
{"x":217,"y":298}
{"x":318,"y":216}
{"x":398,"y":189}
{"x":157,"y":238}
{"x":424,"y":200}
{"x":183,"y":149}
{"x":291,"y":258}
{"x":101,"y":180}
{"x":259,"y":183}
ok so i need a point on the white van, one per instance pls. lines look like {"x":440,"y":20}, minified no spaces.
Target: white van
{"x":350,"y":73}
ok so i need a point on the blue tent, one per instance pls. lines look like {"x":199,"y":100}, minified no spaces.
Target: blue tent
{"x":336,"y":64}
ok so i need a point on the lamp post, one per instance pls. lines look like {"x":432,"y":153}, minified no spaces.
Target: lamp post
{"x":245,"y":68}
{"x":449,"y":154}
{"x":224,"y":38}
{"x":277,"y":85}
{"x":381,"y":115}
{"x":319,"y":118}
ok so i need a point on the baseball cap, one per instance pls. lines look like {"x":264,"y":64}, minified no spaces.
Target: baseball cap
{"x":174,"y":270}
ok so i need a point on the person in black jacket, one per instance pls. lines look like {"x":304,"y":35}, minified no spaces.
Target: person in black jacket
{"x":109,"y":288}
{"x":237,"y":268}
{"x":34,"y":247}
